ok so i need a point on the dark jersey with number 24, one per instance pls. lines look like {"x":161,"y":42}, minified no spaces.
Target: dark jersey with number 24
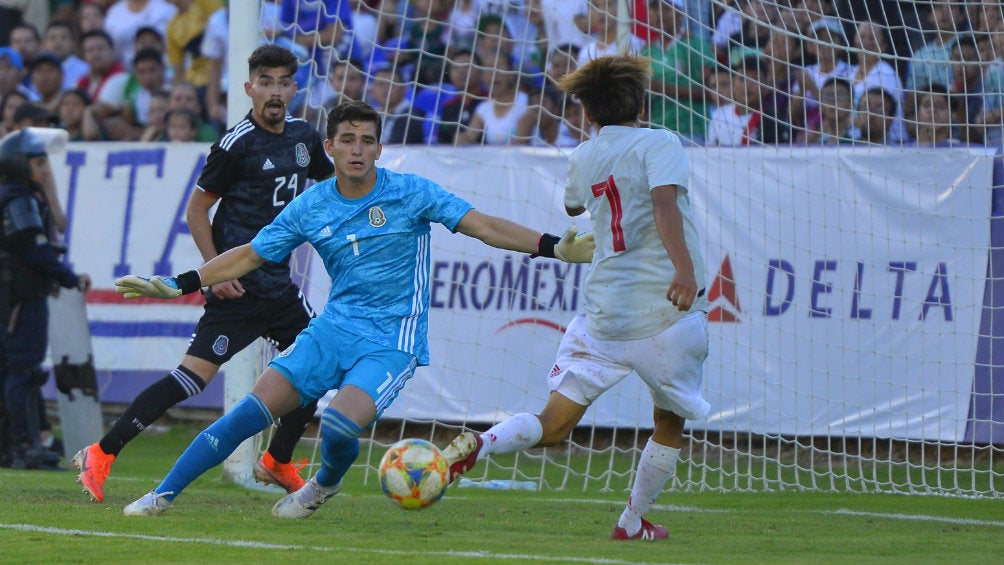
{"x":256,"y":173}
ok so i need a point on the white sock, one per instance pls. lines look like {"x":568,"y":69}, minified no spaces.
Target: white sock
{"x":656,"y":466}
{"x":513,"y":434}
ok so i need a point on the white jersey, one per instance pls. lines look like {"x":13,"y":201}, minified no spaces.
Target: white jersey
{"x":612,"y":175}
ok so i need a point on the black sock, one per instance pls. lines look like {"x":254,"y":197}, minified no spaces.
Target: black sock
{"x":151,"y":404}
{"x":289,"y":430}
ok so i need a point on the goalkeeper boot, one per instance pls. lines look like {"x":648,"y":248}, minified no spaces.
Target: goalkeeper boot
{"x":462,"y":454}
{"x":287,"y":475}
{"x":648,"y":531}
{"x":94,"y":465}
{"x":303,"y":503}
{"x":150,"y":504}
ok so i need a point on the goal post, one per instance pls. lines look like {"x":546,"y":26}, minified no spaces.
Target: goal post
{"x":853,"y":285}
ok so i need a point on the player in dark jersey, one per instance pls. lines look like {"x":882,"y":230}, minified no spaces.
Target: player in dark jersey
{"x":253,"y":171}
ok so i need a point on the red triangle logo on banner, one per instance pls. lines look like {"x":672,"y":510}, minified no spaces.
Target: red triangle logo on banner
{"x":723,"y":291}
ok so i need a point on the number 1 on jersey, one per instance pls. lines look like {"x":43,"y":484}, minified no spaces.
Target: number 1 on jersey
{"x":608,"y":188}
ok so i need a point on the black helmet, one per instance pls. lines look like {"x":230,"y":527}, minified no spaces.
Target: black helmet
{"x":18,"y":147}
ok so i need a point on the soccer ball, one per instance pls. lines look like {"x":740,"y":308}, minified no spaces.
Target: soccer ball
{"x":413,"y":473}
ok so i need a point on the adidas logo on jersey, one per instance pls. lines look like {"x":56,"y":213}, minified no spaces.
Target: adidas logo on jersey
{"x":325,"y":231}
{"x":268,"y":165}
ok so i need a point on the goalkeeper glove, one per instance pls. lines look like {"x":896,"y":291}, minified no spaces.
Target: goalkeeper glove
{"x":570,"y":248}
{"x":132,"y":286}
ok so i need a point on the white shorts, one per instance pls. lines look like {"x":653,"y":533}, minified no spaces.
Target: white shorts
{"x":671,"y":363}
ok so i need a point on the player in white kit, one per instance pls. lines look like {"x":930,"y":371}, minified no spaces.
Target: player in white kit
{"x":645,"y":306}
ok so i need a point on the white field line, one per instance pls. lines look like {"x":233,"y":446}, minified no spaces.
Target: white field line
{"x":483,"y":555}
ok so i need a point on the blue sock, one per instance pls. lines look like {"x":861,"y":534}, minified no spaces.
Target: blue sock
{"x":215,"y":444}
{"x":339,"y":447}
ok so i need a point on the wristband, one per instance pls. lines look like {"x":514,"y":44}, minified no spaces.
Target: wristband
{"x":189,"y":281}
{"x":545,"y":245}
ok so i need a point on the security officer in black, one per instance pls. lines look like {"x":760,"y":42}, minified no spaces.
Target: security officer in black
{"x":30,"y":269}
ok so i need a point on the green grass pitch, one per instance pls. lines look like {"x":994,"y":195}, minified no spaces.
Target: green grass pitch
{"x":44,"y":518}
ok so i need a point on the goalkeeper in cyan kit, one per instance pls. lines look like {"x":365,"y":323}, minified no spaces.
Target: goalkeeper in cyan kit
{"x":254,"y":171}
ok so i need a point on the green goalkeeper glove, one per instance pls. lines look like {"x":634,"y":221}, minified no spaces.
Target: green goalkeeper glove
{"x":573,"y":248}
{"x":132,"y":286}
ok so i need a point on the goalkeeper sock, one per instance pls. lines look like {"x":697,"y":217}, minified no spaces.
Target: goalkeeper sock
{"x":151,"y":404}
{"x":215,"y":444}
{"x":339,"y":447}
{"x":656,"y":466}
{"x":289,"y":430}
{"x":519,"y":432}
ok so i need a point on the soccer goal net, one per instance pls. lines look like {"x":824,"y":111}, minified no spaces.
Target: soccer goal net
{"x":842,"y":174}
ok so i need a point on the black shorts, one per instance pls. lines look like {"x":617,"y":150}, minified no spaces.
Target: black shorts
{"x":228,"y":326}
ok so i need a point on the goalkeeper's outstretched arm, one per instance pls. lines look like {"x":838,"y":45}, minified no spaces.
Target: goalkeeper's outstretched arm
{"x":230,"y":265}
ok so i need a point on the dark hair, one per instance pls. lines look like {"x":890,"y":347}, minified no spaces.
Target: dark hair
{"x":838,"y":82}
{"x":353,"y":62}
{"x":148,"y":54}
{"x":98,"y":33}
{"x":966,"y":40}
{"x":192,"y":117}
{"x":272,"y":56}
{"x":888,"y":99}
{"x":612,"y":89}
{"x":25,"y":25}
{"x":352,"y":111}
{"x":149,"y":29}
{"x":79,"y":93}
{"x":570,"y":49}
{"x":62,"y":24}
{"x":931,"y":89}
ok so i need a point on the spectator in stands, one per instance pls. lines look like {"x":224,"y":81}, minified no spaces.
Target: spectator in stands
{"x":872,"y":70}
{"x":126,"y":17}
{"x":606,"y":41}
{"x":929,"y":116}
{"x":874,"y":115}
{"x":403,"y":124}
{"x":736,"y":121}
{"x":781,"y":79}
{"x":932,"y":62}
{"x":463,"y":23}
{"x":214,"y":49}
{"x":968,"y":87}
{"x":827,"y":55}
{"x":60,"y":40}
{"x":146,"y":78}
{"x":458,"y":110}
{"x":184,"y":96}
{"x":11,"y":73}
{"x":8,"y":106}
{"x":92,"y":18}
{"x":47,"y":79}
{"x":33,"y":115}
{"x":561,"y":61}
{"x":182,"y":125}
{"x":806,"y":13}
{"x":320,"y":26}
{"x":566,"y":22}
{"x":753,"y":34}
{"x":490,"y":42}
{"x":554,"y":120}
{"x":836,"y":110}
{"x":156,"y":125}
{"x":346,"y":81}
{"x":26,"y":40}
{"x":991,"y":119}
{"x":75,"y":116}
{"x":679,"y":62}
{"x":105,"y":84}
{"x":184,"y":41}
{"x":494,"y":121}
{"x":148,"y":38}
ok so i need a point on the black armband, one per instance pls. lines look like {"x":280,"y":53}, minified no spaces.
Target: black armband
{"x":545,"y":245}
{"x":189,"y":281}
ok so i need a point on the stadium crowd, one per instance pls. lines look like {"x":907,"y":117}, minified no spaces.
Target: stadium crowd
{"x":473,"y":72}
{"x":725,"y":73}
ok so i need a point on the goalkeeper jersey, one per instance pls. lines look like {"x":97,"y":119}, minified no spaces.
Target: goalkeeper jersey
{"x":256,"y":173}
{"x":612,"y":176}
{"x":376,"y":251}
